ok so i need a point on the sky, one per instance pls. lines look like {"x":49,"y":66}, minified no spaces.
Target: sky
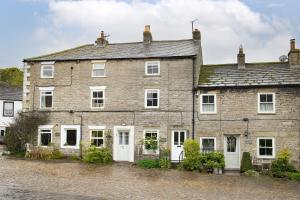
{"x":36,"y":27}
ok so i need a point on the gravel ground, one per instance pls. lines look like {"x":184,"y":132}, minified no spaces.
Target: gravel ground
{"x":23,"y":179}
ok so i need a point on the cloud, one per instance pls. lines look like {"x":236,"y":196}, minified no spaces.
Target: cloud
{"x":224,"y":26}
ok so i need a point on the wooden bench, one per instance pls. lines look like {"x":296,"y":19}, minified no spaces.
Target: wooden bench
{"x":262,"y":164}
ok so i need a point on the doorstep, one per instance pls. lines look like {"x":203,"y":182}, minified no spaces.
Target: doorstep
{"x":235,"y":172}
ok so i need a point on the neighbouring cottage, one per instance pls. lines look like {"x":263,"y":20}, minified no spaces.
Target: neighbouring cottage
{"x":116,"y":95}
{"x":10,"y":105}
{"x":250,"y":107}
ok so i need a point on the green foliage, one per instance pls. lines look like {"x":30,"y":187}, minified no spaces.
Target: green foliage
{"x":293,"y":176}
{"x":57,"y":154}
{"x":192,"y":156}
{"x":24,"y":130}
{"x":150,"y":143}
{"x":12,"y":76}
{"x":251,"y":173}
{"x":282,"y":165}
{"x":246,"y":162}
{"x":98,"y":155}
{"x":164,"y":160}
{"x":216,"y":158}
{"x":148,"y":163}
{"x":41,"y":153}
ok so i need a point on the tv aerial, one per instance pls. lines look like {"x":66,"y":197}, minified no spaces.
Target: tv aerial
{"x":283,"y":58}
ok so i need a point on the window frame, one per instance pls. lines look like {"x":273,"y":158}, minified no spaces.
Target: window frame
{"x":46,"y":89}
{"x":273,"y":148}
{"x":97,"y":89}
{"x":215,"y":104}
{"x":63,"y":139}
{"x":146,"y":151}
{"x":13,"y":108}
{"x":146,"y":68}
{"x":145,"y":98}
{"x":44,"y":127}
{"x":203,"y":138}
{"x":258,"y":102}
{"x":2,"y":128}
{"x":47,"y":64}
{"x":104,"y":68}
{"x":97,"y":128}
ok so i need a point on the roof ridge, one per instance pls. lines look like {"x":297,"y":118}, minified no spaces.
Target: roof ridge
{"x":150,"y":43}
{"x":251,"y":63}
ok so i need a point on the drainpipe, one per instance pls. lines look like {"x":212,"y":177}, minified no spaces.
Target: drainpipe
{"x":80,"y":142}
{"x":193,"y":110}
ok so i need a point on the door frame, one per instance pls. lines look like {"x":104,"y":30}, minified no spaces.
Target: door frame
{"x":172,"y":141}
{"x":131,"y":142}
{"x":239,"y":149}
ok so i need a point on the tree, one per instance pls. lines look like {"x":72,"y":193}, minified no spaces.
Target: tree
{"x":12,"y":76}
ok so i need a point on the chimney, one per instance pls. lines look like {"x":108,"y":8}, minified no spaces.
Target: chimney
{"x":101,"y":41}
{"x":241,"y":58}
{"x":196,"y":34}
{"x":147,"y":36}
{"x":294,"y":54}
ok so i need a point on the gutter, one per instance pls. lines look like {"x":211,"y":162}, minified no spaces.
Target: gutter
{"x":246,"y":86}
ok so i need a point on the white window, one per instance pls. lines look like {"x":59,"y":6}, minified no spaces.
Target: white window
{"x":266,"y":102}
{"x":97,"y":96}
{"x":97,"y":138}
{"x":8,"y":109}
{"x":2,"y":132}
{"x":152,"y":68}
{"x":47,"y":70}
{"x":45,"y":135}
{"x":266,"y":147}
{"x":151,"y":98}
{"x":208,"y":104}
{"x":98,"y":69}
{"x":208,"y":144}
{"x":46,"y":97}
{"x":70,"y":136}
{"x":151,"y":141}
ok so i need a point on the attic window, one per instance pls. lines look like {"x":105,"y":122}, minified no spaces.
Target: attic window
{"x":98,"y":69}
{"x":152,"y":68}
{"x":47,"y":70}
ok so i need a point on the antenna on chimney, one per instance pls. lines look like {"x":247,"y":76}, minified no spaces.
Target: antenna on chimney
{"x":283,"y":58}
{"x":193,"y":21}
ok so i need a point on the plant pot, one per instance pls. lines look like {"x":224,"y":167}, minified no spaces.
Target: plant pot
{"x":216,"y":171}
{"x":220,"y":171}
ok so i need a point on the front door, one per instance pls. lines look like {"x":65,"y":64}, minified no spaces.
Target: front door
{"x":178,"y":138}
{"x":232,"y":151}
{"x":123,"y":144}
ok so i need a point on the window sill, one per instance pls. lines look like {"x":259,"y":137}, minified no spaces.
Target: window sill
{"x":266,"y":113}
{"x":204,"y":113}
{"x":99,"y":76}
{"x":46,"y":77}
{"x":69,"y":147}
{"x":266,"y":157}
{"x":151,"y":153}
{"x":152,"y":76}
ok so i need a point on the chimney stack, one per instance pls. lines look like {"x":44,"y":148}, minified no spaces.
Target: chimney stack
{"x":241,"y":58}
{"x":101,"y":41}
{"x":196,"y":34}
{"x":147,"y":36}
{"x":294,"y":54}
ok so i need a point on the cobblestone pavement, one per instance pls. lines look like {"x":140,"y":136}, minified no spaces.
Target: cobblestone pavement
{"x":23,"y":179}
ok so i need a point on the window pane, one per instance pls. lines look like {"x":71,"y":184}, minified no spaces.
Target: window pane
{"x":263,"y":98}
{"x":182,"y":137}
{"x":262,"y":143}
{"x":48,"y":101}
{"x":208,"y":145}
{"x":266,"y":107}
{"x":120,"y":138}
{"x":204,"y":99}
{"x":208,"y":107}
{"x":211,"y":99}
{"x":126,"y":138}
{"x":45,"y":139}
{"x":231,"y":144}
{"x":149,"y":103}
{"x":176,"y":138}
{"x":154,"y":102}
{"x":98,"y":72}
{"x":269,"y":151}
{"x":71,"y":137}
{"x":268,"y":143}
{"x":262,"y":151}
{"x":269,"y":98}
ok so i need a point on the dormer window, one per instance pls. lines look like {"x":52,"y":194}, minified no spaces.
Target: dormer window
{"x":47,"y":70}
{"x":152,"y":68}
{"x":98,"y":69}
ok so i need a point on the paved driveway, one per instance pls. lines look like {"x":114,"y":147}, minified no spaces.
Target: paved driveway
{"x":21,"y":179}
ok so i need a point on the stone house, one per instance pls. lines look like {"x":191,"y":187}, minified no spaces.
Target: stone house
{"x":250,"y":107}
{"x":10,"y":105}
{"x":117,"y":95}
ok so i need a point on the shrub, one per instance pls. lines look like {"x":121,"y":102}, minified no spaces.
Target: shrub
{"x":246,"y":162}
{"x":56,"y":154}
{"x":39,"y":153}
{"x":164,"y":160}
{"x":98,"y":155}
{"x":281,"y":165}
{"x":293,"y":176}
{"x":24,"y":129}
{"x":192,"y":156}
{"x":215,"y":160}
{"x":148,"y":163}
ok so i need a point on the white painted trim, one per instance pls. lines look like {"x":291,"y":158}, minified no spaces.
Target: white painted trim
{"x":63,"y":136}
{"x":93,"y":66}
{"x":97,"y":127}
{"x":258,"y":102}
{"x":273,"y":148}
{"x":103,"y":136}
{"x":44,"y":127}
{"x":215,"y":103}
{"x":172,"y":142}
{"x":48,"y":63}
{"x":98,"y":61}
{"x":97,"y":87}
{"x":131,"y":141}
{"x":46,"y":88}
{"x":148,"y":152}
{"x":146,"y":68}
{"x":215,"y":142}
{"x":239,"y":150}
{"x":46,"y":95}
{"x":42,"y":69}
{"x":158,"y":98}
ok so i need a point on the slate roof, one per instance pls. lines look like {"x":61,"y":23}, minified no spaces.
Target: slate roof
{"x":255,"y":74}
{"x":10,"y":93}
{"x":157,"y":49}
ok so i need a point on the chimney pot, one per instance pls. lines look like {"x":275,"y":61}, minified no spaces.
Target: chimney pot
{"x":241,"y":58}
{"x":147,"y":36}
{"x":196,"y":34}
{"x":101,"y":41}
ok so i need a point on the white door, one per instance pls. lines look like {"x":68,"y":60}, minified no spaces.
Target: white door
{"x":123,"y":143}
{"x":178,"y":138}
{"x":232,"y":151}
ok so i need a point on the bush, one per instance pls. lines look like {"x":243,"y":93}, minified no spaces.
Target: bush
{"x":164,"y":160}
{"x":192,"y":156}
{"x":24,"y":130}
{"x":40,"y":153}
{"x":98,"y":155}
{"x":281,"y":165}
{"x":293,"y":176}
{"x":246,"y":162}
{"x":148,"y":163}
{"x":214,"y":160}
